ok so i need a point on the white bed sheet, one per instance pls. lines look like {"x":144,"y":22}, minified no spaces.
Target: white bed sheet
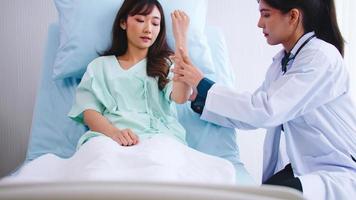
{"x":102,"y":169}
{"x":157,"y":159}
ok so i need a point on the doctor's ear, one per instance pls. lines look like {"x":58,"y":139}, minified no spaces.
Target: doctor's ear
{"x":295,"y":16}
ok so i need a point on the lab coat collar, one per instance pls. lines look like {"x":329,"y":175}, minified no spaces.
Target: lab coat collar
{"x":300,"y":42}
{"x":278,"y":56}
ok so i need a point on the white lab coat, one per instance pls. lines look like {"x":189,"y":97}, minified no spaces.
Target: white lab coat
{"x":313,"y":103}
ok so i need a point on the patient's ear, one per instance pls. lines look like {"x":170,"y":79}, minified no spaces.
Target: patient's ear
{"x":123,"y":24}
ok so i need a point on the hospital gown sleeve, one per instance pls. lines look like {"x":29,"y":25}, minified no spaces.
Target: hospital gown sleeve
{"x":86,"y":97}
{"x":167,"y":90}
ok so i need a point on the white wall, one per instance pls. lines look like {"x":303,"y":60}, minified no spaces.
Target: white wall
{"x":23,"y":28}
{"x":346,"y":18}
{"x":23,"y":31}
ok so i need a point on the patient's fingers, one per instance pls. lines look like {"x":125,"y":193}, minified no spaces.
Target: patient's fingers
{"x":117,"y":139}
{"x":127,"y":137}
{"x":185,"y":16}
{"x":133,"y":137}
{"x":122,"y":139}
{"x":180,"y":14}
{"x":177,"y":14}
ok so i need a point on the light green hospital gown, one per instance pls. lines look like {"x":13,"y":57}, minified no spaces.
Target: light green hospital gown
{"x":127,"y":98}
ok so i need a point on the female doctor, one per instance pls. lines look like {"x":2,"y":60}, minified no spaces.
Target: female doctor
{"x":305,"y":94}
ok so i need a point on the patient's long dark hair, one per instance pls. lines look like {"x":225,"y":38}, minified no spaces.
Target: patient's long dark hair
{"x":158,"y":53}
{"x":318,"y":16}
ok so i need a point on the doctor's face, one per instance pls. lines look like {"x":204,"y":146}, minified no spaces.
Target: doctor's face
{"x":142,"y":30}
{"x":275,"y":24}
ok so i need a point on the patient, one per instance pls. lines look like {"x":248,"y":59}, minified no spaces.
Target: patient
{"x":126,"y":99}
{"x":127,"y":94}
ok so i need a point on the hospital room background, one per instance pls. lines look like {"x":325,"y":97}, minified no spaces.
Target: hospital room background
{"x":23,"y":32}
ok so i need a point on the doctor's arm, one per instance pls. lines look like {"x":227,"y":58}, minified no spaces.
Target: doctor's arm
{"x":313,"y":80}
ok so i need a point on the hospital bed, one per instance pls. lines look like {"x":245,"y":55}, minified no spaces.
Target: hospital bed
{"x":53,"y":132}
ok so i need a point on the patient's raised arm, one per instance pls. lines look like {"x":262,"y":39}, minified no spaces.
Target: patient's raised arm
{"x":180,"y":22}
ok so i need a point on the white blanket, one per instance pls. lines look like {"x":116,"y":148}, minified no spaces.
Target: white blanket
{"x":157,"y":159}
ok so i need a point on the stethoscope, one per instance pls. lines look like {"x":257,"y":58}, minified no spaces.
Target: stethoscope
{"x":287,"y":57}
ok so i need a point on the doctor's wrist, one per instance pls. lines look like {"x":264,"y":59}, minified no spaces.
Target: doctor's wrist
{"x":204,"y":86}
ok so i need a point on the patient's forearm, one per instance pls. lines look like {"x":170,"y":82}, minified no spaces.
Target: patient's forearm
{"x":180,"y":24}
{"x":181,"y":91}
{"x":98,"y":123}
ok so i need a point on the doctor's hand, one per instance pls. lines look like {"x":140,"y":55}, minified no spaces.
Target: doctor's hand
{"x":194,"y":95}
{"x":185,"y":71}
{"x":125,"y":137}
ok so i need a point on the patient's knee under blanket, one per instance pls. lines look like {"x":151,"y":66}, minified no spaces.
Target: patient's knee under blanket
{"x":157,"y":159}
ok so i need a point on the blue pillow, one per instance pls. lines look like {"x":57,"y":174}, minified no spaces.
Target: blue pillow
{"x":85,"y":30}
{"x":223,"y":72}
{"x":52,"y":131}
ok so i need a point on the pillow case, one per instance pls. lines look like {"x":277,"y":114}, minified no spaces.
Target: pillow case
{"x":52,"y":131}
{"x":85,"y":31}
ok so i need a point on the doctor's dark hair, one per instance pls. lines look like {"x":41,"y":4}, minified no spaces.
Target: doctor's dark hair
{"x":318,"y":16}
{"x":158,"y":54}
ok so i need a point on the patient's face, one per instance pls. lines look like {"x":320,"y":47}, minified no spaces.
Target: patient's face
{"x":274,"y":23}
{"x":142,"y":30}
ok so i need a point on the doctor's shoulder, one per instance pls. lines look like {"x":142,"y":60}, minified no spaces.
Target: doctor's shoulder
{"x":320,"y":54}
{"x":326,"y":51}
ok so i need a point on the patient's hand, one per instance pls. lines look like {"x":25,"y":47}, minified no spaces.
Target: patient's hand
{"x":125,"y":137}
{"x":180,"y":22}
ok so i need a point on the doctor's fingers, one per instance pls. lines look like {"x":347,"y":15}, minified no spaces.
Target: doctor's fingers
{"x":186,"y":78}
{"x":178,"y":72}
{"x":185,"y":56}
{"x":194,"y":95}
{"x":175,"y":76}
{"x":181,"y":64}
{"x":187,"y":70}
